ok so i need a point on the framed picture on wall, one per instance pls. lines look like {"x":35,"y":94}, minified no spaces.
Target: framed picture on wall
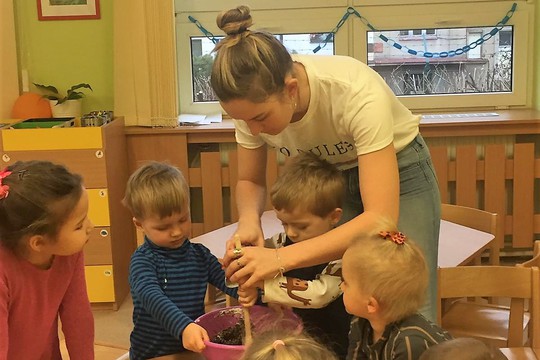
{"x":68,"y":9}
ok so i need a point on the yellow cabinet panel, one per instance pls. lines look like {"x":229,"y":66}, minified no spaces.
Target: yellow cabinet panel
{"x":98,"y":207}
{"x":52,"y":139}
{"x":99,"y":283}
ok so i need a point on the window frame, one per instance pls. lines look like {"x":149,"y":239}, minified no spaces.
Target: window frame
{"x":310,"y":16}
{"x":466,"y":15}
{"x":289,"y":21}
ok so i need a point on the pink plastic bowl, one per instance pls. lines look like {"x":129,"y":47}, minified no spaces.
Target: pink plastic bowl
{"x":262,"y":318}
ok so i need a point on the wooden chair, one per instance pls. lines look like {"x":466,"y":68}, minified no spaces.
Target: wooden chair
{"x":477,"y":219}
{"x":532,"y":352}
{"x":535,"y":261}
{"x":487,"y":322}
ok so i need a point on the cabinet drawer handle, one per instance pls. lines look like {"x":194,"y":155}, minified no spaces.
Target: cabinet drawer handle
{"x":6,"y":158}
{"x":102,"y":193}
{"x":103,"y":233}
{"x":99,"y":154}
{"x":107,"y":273}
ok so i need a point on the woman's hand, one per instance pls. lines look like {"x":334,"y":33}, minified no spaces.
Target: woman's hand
{"x":255,"y":264}
{"x":250,"y":234}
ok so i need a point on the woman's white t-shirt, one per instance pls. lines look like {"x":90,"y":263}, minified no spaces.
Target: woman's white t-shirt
{"x":351,"y":112}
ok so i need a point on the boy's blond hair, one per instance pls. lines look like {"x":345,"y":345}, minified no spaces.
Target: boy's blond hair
{"x":311,"y":183}
{"x":396,"y":275}
{"x":281,"y":344}
{"x":156,"y":189}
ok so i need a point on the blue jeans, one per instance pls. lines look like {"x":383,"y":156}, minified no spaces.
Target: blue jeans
{"x":419,"y":208}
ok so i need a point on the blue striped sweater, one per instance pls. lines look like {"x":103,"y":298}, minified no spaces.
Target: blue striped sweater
{"x":168,"y":288}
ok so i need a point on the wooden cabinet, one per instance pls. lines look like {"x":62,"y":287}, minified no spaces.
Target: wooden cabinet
{"x":99,"y":155}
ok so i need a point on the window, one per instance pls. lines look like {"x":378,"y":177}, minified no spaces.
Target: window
{"x":301,"y":31}
{"x":492,"y":74}
{"x":485,"y":69}
{"x":202,"y":58}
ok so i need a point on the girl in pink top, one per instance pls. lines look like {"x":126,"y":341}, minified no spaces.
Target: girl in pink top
{"x":43,"y":228}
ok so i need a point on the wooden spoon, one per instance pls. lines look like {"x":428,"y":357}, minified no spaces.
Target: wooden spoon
{"x":247,"y":320}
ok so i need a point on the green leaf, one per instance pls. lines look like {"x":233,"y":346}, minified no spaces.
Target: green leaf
{"x":51,"y":93}
{"x":79,"y":86}
{"x":47,"y":88}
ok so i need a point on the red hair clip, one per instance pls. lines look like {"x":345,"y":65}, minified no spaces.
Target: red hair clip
{"x":395,"y":236}
{"x":4,"y":189}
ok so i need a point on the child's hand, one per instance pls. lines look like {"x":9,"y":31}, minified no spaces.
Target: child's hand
{"x":193,"y":338}
{"x":247,"y":296}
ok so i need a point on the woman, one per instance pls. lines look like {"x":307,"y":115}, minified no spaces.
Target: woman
{"x":339,"y":109}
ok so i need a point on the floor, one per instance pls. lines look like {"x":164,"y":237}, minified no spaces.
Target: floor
{"x":112,"y":329}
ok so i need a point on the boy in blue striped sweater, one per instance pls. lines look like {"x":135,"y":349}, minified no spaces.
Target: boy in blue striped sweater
{"x":168,"y":274}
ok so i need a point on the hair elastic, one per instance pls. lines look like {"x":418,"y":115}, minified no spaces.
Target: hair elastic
{"x":394,"y":236}
{"x":4,"y":189}
{"x":277,"y":343}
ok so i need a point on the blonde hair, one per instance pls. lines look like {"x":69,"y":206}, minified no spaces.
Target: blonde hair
{"x":396,"y":275}
{"x":156,"y":189}
{"x":283,"y":345}
{"x":311,"y":183}
{"x":249,"y":64}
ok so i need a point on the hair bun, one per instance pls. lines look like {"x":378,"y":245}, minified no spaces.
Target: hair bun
{"x":235,"y":21}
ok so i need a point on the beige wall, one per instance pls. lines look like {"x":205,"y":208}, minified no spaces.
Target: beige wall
{"x":536,"y":95}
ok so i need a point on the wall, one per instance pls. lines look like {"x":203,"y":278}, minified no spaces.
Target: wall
{"x":9,"y":89}
{"x":68,"y":52}
{"x":536,"y":95}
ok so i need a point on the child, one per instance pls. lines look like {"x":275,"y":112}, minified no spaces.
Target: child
{"x":168,"y":274}
{"x":307,"y":198}
{"x":283,"y":345}
{"x":463,"y":349}
{"x":384,"y":282}
{"x":43,"y":229}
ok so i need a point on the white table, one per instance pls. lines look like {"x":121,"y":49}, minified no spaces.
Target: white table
{"x":458,"y":245}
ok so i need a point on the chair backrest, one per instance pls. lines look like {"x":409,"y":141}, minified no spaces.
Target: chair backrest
{"x":477,"y":219}
{"x":534,"y":330}
{"x":517,"y":283}
{"x":535,"y":261}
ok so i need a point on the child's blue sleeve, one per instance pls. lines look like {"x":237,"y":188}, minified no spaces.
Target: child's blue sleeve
{"x":216,"y":275}
{"x":147,"y":293}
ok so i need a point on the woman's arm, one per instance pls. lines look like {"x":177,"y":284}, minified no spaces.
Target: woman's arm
{"x":250,"y":196}
{"x":379,"y":186}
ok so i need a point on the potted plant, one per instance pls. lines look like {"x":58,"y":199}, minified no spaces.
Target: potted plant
{"x":68,"y":105}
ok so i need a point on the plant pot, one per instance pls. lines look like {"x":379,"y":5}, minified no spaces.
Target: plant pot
{"x":69,"y":108}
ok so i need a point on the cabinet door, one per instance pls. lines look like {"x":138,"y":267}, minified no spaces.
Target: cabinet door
{"x":100,"y":283}
{"x":98,"y":249}
{"x":52,"y":139}
{"x":98,"y":209}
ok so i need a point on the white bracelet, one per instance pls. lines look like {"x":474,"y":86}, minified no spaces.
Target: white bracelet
{"x":281,"y":269}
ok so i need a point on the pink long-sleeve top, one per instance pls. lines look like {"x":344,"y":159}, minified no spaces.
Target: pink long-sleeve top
{"x":31,"y":299}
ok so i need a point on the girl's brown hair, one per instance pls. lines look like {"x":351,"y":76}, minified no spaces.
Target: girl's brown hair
{"x":41,"y":198}
{"x":249,"y":64}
